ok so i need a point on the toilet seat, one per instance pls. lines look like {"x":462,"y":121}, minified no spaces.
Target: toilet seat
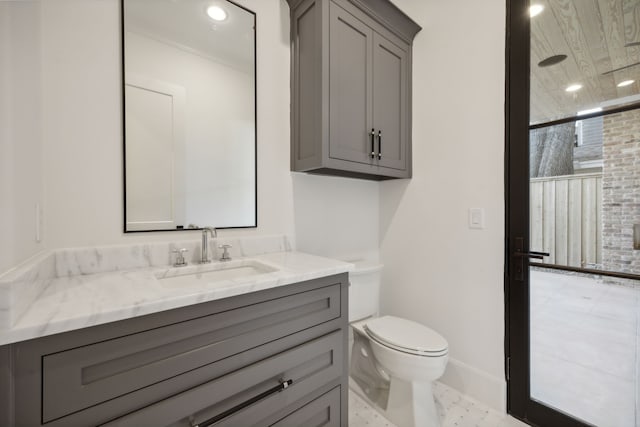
{"x":406,"y":336}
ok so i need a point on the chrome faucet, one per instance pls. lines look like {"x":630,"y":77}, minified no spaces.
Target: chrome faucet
{"x":205,"y":243}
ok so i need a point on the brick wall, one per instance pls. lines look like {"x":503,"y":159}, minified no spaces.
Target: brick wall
{"x":621,"y":191}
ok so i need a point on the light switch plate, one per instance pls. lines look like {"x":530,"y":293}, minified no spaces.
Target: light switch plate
{"x":476,"y":218}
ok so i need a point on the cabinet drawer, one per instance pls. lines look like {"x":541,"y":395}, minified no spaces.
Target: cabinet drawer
{"x":243,"y":398}
{"x":323,"y":411}
{"x":82,"y":377}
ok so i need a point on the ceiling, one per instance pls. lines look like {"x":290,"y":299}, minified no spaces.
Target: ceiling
{"x":598,"y":37}
{"x":185,"y":24}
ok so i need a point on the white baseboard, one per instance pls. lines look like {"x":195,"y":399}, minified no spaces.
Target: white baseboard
{"x":477,"y":384}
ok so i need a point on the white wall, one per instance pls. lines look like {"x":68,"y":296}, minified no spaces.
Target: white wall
{"x":437,"y":271}
{"x":337,"y":217}
{"x":21,"y":184}
{"x":82,"y":142}
{"x":7,"y":250}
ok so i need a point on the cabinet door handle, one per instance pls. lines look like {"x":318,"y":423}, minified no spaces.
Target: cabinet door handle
{"x":379,"y":144}
{"x":373,"y":143}
{"x":283,"y":385}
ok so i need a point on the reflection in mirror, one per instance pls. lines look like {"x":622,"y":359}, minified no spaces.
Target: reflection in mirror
{"x":189,"y":113}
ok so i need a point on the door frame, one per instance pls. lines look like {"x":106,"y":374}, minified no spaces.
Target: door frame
{"x":517,"y":326}
{"x":517,"y":51}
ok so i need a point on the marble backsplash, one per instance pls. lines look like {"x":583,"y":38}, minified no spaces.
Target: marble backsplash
{"x":20,"y":286}
{"x":80,"y":261}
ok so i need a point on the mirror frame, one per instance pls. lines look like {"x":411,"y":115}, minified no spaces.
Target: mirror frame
{"x":124,"y":126}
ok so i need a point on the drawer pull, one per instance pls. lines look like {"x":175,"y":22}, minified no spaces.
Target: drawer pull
{"x":283,"y":385}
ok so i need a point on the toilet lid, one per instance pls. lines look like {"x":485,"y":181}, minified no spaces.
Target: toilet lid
{"x":407,"y":336}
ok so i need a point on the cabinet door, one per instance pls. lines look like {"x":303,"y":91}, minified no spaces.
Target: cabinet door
{"x":350,"y":75}
{"x":390,"y":103}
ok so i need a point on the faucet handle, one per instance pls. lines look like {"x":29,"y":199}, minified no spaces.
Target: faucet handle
{"x":180,"y":261}
{"x":225,"y":254}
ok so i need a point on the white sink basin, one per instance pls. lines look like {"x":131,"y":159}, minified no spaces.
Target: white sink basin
{"x":202,"y":275}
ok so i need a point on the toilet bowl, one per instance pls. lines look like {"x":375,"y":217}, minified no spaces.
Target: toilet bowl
{"x":405,"y":355}
{"x":411,"y":356}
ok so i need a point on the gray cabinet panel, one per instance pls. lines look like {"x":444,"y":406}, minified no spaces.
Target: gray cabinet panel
{"x":136,"y":400}
{"x":390,"y":102}
{"x":84,"y":376}
{"x":308,"y":366}
{"x":323,"y":411}
{"x":6,"y":388}
{"x":350,"y":62}
{"x":324,"y":369}
{"x":305,"y":75}
{"x":351,"y":77}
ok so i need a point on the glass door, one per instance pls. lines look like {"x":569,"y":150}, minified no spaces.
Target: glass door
{"x":573,"y":212}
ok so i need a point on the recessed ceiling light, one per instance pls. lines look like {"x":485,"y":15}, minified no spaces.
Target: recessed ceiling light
{"x":590,"y":111}
{"x":535,"y":10}
{"x":216,"y":13}
{"x":625,"y":83}
{"x":573,"y":88}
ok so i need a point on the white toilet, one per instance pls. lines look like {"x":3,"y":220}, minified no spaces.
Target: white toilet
{"x":407,"y":355}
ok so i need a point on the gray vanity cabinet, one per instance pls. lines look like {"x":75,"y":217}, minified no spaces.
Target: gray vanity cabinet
{"x":274,"y":357}
{"x":351,"y":88}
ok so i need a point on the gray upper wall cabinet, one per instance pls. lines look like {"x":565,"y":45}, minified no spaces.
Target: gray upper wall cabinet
{"x":351,"y":88}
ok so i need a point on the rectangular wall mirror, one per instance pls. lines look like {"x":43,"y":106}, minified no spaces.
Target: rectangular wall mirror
{"x":189,"y":114}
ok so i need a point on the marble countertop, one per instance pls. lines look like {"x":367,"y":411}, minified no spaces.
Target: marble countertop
{"x":75,"y":302}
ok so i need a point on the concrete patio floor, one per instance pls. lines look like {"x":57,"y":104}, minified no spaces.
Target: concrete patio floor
{"x":585,"y":342}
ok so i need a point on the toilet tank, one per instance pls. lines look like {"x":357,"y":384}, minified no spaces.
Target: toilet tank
{"x":364,"y":292}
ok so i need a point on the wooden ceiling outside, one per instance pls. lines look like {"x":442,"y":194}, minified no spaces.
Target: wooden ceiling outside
{"x":598,"y":36}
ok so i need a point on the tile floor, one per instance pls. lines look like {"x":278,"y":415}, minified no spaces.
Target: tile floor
{"x":455,"y":411}
{"x":584,"y":348}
